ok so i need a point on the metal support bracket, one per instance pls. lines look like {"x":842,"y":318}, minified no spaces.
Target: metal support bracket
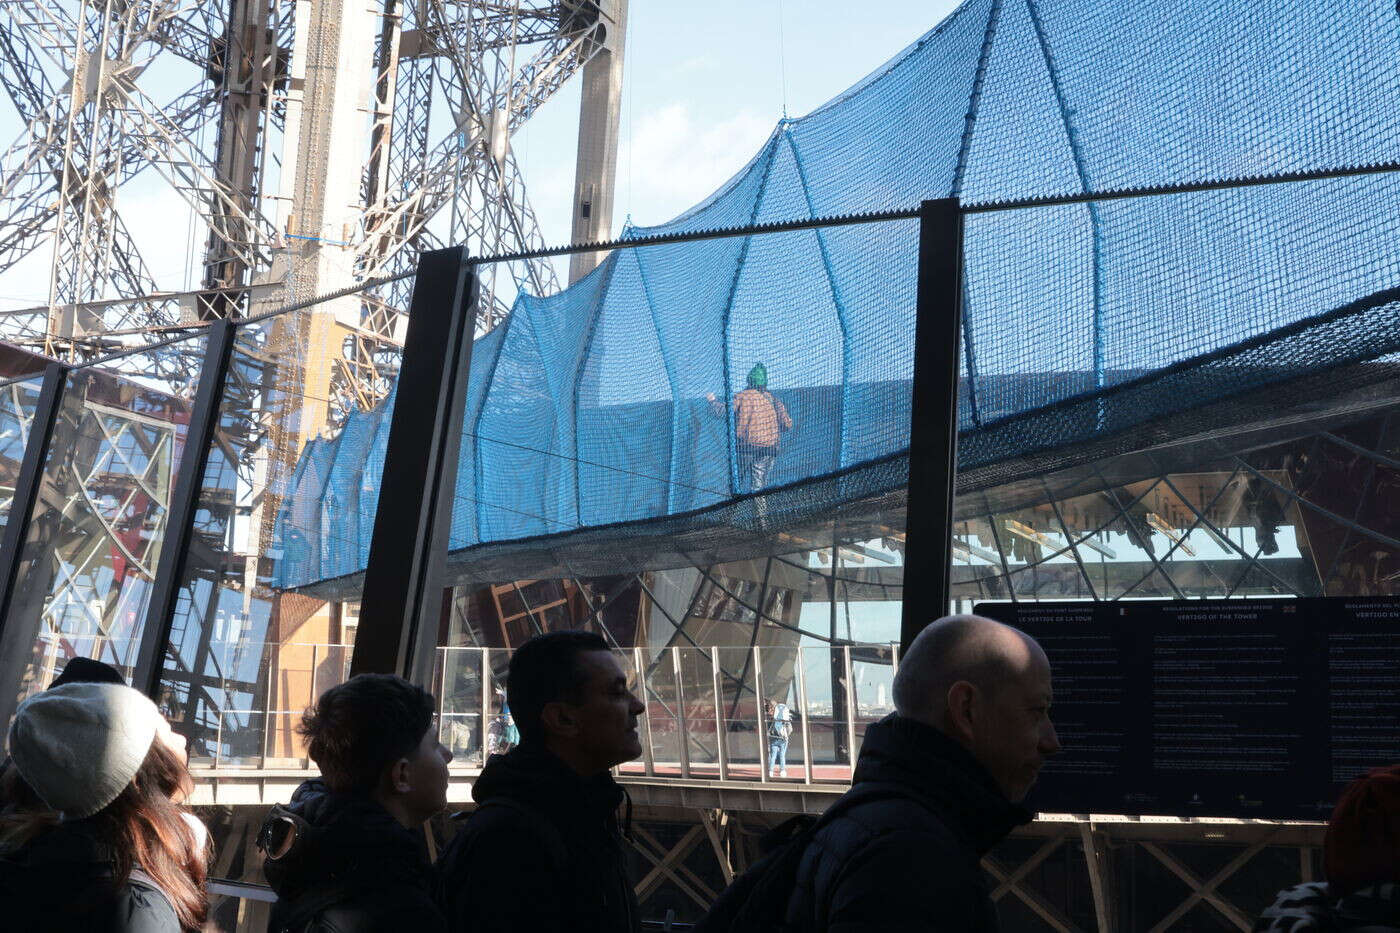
{"x":402,"y":602}
{"x":184,"y":503}
{"x":933,"y":429}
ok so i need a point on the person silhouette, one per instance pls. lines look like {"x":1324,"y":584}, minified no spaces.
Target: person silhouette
{"x":760,"y":420}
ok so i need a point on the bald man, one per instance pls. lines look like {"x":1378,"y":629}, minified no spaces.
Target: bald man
{"x":939,"y":782}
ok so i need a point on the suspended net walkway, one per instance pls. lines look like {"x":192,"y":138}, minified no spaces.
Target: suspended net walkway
{"x":716,"y":398}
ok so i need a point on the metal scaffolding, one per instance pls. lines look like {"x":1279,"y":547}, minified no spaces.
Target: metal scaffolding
{"x":319,"y":143}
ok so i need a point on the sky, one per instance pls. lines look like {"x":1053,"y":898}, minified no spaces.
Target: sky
{"x":704,"y":85}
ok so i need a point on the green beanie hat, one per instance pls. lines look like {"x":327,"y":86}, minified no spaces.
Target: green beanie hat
{"x":758,"y":377}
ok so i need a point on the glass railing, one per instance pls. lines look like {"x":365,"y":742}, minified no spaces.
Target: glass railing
{"x":709,"y":712}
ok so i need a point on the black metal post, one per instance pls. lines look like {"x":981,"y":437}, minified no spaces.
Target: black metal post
{"x":402,"y":601}
{"x":31,"y":474}
{"x":933,"y":429}
{"x":18,"y":628}
{"x":184,"y":502}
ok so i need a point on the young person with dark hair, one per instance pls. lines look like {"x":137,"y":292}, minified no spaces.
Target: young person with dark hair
{"x":1361,"y":859}
{"x":543,"y":852}
{"x":348,"y":853}
{"x":92,"y":839}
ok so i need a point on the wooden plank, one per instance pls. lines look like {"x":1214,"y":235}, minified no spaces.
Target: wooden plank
{"x":1096,"y":860}
{"x":1034,"y":901}
{"x":1205,"y":891}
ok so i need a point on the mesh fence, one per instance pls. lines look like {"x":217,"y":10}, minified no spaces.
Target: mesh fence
{"x":627,"y":398}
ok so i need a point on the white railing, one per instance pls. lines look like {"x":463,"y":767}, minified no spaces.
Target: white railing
{"x":704,"y":714}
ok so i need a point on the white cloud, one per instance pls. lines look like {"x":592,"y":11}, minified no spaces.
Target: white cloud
{"x":673,"y":160}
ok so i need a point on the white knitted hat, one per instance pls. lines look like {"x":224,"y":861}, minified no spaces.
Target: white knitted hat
{"x":78,"y":745}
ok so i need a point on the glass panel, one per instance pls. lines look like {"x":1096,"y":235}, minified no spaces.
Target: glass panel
{"x":781,"y":687}
{"x":1229,"y":526}
{"x":740,"y":712}
{"x":822,"y":674}
{"x":94,"y":540}
{"x":872,"y":672}
{"x":459,"y":699}
{"x":698,"y":691}
{"x":501,"y":732}
{"x":627,"y":660}
{"x":662,"y":712}
{"x":238,"y":893}
{"x":238,"y":741}
{"x":18,"y":400}
{"x":282,"y":532}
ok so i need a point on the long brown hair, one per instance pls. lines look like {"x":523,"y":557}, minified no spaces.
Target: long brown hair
{"x":24,"y":815}
{"x":146,"y":830}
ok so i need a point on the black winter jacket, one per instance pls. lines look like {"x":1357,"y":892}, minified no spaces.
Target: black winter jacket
{"x":908,"y":862}
{"x":541,"y":854}
{"x":61,"y":881}
{"x":354,"y":869}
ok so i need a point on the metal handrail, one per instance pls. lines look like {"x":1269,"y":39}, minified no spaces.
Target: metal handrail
{"x":684,"y":702}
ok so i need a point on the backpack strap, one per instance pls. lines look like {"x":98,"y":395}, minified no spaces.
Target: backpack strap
{"x":139,"y":877}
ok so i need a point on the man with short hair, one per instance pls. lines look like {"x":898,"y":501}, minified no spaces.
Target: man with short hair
{"x":543,"y":852}
{"x":349,"y":852}
{"x":939,"y":782}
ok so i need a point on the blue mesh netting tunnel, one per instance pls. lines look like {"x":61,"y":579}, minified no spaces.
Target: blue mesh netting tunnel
{"x":589,"y":417}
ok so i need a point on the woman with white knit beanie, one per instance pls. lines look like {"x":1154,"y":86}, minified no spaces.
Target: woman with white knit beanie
{"x":102,"y":846}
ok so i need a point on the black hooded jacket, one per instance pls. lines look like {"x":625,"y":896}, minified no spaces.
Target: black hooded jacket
{"x":62,"y":881}
{"x":353,"y":868}
{"x":908,"y":861}
{"x":542,"y":853}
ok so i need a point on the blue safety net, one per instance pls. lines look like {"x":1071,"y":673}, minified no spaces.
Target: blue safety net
{"x":590,"y":413}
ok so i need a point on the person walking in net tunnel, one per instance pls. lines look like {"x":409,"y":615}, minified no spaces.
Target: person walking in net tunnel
{"x":760,"y":420}
{"x":939,"y":782}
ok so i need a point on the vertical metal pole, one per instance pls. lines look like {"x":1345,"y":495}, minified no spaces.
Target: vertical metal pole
{"x":441,"y":692}
{"x":764,"y":765}
{"x":1100,"y":881}
{"x":648,"y":751}
{"x":485,"y":700}
{"x":933,"y":429}
{"x":219,"y":738}
{"x":31,"y":475}
{"x":268,"y":723}
{"x":403,"y":594}
{"x":314,"y":653}
{"x":721,"y":752}
{"x":184,"y":503}
{"x":682,"y":732}
{"x":850,"y":709}
{"x":839,"y":722}
{"x":806,"y":731}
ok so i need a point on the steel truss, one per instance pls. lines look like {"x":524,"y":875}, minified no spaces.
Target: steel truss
{"x":230,"y":105}
{"x":447,"y":83}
